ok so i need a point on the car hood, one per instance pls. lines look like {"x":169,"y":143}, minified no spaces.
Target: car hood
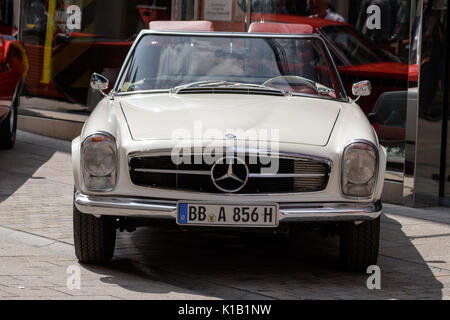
{"x":302,"y":120}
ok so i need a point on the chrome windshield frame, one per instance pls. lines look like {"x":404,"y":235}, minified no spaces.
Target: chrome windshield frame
{"x":116,"y":91}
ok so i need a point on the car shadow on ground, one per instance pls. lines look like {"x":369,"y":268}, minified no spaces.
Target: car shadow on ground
{"x":20,"y":164}
{"x":250,"y":266}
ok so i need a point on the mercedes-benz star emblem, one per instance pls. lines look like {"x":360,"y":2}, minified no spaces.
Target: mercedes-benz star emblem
{"x":229,"y":174}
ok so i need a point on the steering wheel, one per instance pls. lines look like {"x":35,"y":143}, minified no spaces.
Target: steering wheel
{"x":297,"y":79}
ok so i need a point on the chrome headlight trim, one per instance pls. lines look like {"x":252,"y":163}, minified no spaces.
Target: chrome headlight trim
{"x":90,"y":180}
{"x":375,"y":174}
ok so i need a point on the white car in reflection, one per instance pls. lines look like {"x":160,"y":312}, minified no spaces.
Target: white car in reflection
{"x":220,"y":131}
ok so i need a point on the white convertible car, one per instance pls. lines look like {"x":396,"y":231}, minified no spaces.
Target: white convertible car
{"x":228,"y":131}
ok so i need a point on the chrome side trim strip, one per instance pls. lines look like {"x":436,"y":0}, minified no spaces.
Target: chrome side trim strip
{"x":252,"y":175}
{"x":194,"y":172}
{"x":167,"y":209}
{"x":239,"y":151}
{"x":287,"y":175}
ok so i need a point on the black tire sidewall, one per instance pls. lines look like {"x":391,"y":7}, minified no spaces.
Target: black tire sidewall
{"x":359,"y":245}
{"x":94,"y":238}
{"x":8,"y":134}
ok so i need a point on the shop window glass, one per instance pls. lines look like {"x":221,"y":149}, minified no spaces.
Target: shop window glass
{"x":6,"y":16}
{"x":67,"y":40}
{"x":353,"y":48}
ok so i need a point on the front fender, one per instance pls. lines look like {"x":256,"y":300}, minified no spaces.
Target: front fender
{"x":381,"y":171}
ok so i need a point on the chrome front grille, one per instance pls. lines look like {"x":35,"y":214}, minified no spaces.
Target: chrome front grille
{"x":294,"y":175}
{"x":311,"y":182}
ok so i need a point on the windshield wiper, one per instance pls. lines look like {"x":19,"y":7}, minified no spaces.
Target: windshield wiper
{"x":228,"y":84}
{"x":260,"y":86}
{"x":196,"y":83}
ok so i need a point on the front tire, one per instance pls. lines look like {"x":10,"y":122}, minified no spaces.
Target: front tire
{"x":359,"y":245}
{"x":95,"y":238}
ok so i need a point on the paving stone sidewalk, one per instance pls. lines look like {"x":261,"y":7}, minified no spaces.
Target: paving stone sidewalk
{"x":31,"y":272}
{"x":36,"y":201}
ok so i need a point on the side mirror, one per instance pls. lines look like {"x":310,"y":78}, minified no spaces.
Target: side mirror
{"x":362,"y":89}
{"x":99,"y":82}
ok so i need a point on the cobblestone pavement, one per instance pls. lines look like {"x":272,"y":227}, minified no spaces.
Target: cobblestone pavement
{"x":36,"y":249}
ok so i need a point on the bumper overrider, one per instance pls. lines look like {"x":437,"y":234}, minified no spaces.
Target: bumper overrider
{"x":167,"y":209}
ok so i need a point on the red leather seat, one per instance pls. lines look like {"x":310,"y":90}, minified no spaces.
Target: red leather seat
{"x":290,"y":28}
{"x":182,"y":26}
{"x":307,"y":91}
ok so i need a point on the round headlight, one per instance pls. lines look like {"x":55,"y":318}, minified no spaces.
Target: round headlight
{"x":360,"y":165}
{"x":359,"y":170}
{"x":99,"y":162}
{"x":99,"y":159}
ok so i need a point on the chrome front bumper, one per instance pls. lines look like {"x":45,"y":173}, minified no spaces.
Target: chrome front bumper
{"x":167,"y":209}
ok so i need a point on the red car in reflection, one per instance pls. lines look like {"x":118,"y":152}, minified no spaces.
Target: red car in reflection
{"x":356,"y":57}
{"x":13,"y":69}
{"x":64,"y":74}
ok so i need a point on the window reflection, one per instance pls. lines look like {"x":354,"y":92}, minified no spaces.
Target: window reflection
{"x":65,"y":45}
{"x":395,"y":24}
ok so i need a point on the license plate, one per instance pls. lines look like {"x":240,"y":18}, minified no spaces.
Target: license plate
{"x":227,"y":215}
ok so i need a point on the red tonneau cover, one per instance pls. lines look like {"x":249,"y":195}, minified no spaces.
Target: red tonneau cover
{"x":270,"y":27}
{"x":182,"y":26}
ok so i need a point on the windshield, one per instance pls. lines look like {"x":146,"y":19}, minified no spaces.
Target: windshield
{"x":293,"y":65}
{"x":354,"y":47}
